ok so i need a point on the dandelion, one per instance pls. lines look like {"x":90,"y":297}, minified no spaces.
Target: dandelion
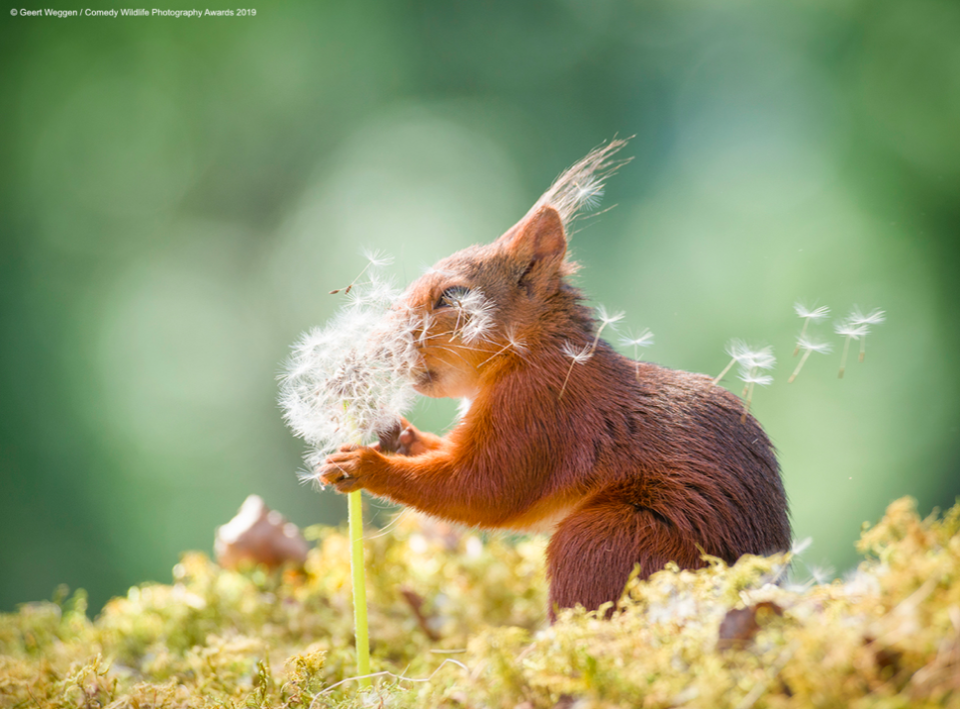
{"x":850,"y":331}
{"x":644,"y":339}
{"x":375,"y":259}
{"x":808,"y":316}
{"x":345,"y":383}
{"x":349,"y":380}
{"x":586,"y":352}
{"x":874,"y":317}
{"x":808,"y":346}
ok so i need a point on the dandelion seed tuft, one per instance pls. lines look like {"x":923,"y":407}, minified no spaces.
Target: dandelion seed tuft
{"x":815,"y":314}
{"x":579,"y":356}
{"x":607,"y":318}
{"x":740,"y":353}
{"x":874,"y":317}
{"x":644,"y":339}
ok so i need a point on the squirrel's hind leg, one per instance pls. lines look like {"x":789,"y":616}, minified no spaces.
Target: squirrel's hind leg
{"x":593,"y":551}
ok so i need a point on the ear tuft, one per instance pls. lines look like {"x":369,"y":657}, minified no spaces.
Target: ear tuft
{"x":538,"y":236}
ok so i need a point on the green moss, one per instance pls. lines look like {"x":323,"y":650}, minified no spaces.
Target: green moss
{"x":469,"y":615}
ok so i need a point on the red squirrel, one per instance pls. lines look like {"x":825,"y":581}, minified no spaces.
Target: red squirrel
{"x":623,"y":462}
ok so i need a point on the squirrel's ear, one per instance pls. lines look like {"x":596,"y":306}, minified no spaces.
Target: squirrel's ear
{"x":537,"y":237}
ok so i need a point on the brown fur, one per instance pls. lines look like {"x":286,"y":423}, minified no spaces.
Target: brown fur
{"x":633,"y":464}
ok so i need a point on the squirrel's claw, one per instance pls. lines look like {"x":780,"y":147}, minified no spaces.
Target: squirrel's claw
{"x":402,"y":439}
{"x":342,"y":469}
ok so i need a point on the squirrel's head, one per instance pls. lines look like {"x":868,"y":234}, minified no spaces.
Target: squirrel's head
{"x":482,"y":308}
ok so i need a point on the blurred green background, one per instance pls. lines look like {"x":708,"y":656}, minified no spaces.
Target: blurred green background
{"x":178,"y":196}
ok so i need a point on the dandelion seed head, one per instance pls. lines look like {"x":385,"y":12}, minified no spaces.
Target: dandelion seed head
{"x":808,"y":314}
{"x":805,"y":343}
{"x":348,"y":380}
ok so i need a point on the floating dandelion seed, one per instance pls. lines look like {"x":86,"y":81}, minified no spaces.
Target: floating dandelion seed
{"x":514,"y":342}
{"x":607,"y":319}
{"x":751,"y":378}
{"x":644,"y":339}
{"x":850,"y":331}
{"x":740,"y":352}
{"x":474,"y":316}
{"x":579,"y":356}
{"x":375,"y":259}
{"x":582,"y":355}
{"x":874,"y":317}
{"x":588,"y":193}
{"x":751,"y":362}
{"x":808,"y":346}
{"x":808,"y":316}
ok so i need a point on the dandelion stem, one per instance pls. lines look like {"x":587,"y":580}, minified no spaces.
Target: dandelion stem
{"x":567,"y":379}
{"x":803,"y":331}
{"x":359,"y":587}
{"x":593,"y":348}
{"x":863,"y":346}
{"x":843,"y":359}
{"x":746,"y":410}
{"x":806,"y":353}
{"x":354,"y":281}
{"x":725,"y":370}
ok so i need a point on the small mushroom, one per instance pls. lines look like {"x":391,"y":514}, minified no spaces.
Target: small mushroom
{"x":259,"y":535}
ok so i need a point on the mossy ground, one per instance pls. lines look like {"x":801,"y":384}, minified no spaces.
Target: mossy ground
{"x":466,"y":616}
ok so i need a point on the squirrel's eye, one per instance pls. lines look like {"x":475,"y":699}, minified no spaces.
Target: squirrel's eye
{"x":451,"y":297}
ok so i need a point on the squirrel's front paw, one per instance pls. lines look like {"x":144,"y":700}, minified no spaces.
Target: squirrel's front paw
{"x":346,"y":468}
{"x":406,"y":439}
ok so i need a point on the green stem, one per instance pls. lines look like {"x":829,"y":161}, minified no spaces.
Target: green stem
{"x":359,"y":587}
